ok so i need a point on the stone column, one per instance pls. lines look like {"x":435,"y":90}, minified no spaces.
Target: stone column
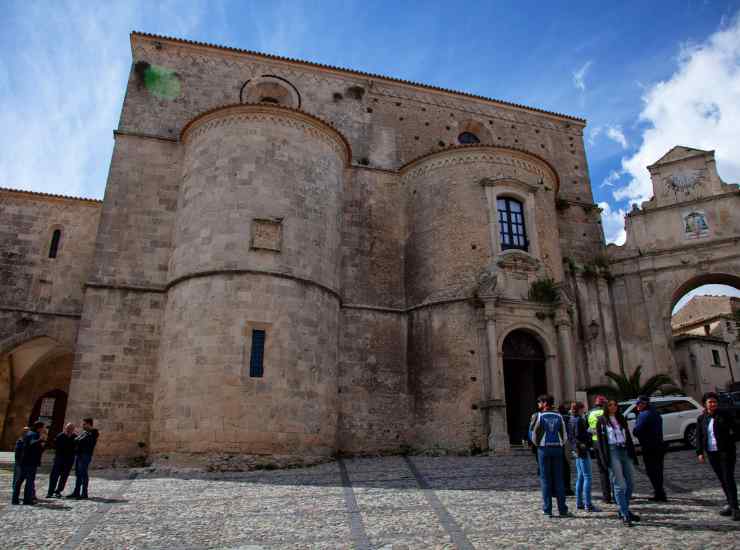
{"x":554,"y":382}
{"x":566,"y":357}
{"x":498,"y":438}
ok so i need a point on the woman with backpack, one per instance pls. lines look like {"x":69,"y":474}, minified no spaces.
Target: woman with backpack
{"x":617,"y":450}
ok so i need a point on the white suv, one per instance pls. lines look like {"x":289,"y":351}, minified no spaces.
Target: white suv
{"x":679,"y":414}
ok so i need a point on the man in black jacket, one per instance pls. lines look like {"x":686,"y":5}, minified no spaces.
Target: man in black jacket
{"x":33,"y":447}
{"x":64,"y":458}
{"x":715,"y":440}
{"x":649,"y":431}
{"x":84,"y":448}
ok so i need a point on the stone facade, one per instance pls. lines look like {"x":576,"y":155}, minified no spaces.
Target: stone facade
{"x":298,"y":260}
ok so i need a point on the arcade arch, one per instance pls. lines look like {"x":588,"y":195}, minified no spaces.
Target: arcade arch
{"x":705,"y":332}
{"x":34,"y":379}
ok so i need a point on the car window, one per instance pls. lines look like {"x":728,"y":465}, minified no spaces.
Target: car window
{"x":624,"y":406}
{"x":666,"y":407}
{"x":680,"y":406}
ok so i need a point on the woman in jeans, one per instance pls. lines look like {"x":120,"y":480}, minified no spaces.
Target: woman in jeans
{"x":618,"y":452}
{"x":580,"y":443}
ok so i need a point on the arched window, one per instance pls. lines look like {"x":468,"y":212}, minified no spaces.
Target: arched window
{"x":268,"y":99}
{"x":511,"y":224}
{"x":467,"y":138}
{"x":54,"y":247}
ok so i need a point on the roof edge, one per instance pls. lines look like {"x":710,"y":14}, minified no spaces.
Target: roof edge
{"x":50,"y":195}
{"x":412,"y":83}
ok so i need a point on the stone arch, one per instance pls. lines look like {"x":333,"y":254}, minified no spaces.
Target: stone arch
{"x":477,"y":128}
{"x":702,"y":279}
{"x":29,"y":370}
{"x":270,"y":89}
{"x":548,"y":346}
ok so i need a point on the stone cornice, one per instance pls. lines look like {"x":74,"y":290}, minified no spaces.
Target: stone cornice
{"x":276,"y":114}
{"x":684,"y":205}
{"x":343,"y":71}
{"x":492,"y":154}
{"x":37,"y":195}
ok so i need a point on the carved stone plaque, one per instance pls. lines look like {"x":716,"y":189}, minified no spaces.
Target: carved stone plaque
{"x":267,"y":234}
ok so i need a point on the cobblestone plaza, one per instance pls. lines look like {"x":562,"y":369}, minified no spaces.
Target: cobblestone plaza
{"x":392,"y":502}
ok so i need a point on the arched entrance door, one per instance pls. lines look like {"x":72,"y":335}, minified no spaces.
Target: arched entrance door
{"x":524,"y":380}
{"x":50,"y":409}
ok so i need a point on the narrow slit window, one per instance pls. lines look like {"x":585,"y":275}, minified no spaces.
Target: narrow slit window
{"x":511,"y":224}
{"x":257,"y":356}
{"x":715,"y":358}
{"x":56,"y":237}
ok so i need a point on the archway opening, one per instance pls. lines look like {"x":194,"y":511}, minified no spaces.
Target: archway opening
{"x":705,"y":328}
{"x":524,"y":379}
{"x":34,"y":383}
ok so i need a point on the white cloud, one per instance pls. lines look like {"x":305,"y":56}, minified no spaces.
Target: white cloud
{"x":613,"y":223}
{"x":60,"y":98}
{"x":615,"y":133}
{"x":699,"y":106}
{"x":612,"y":178}
{"x":579,"y":76}
{"x":593,"y":133}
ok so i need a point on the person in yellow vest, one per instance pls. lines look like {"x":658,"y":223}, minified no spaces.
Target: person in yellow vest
{"x":593,"y":418}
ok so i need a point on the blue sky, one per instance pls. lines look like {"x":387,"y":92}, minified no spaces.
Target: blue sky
{"x":646,"y":75}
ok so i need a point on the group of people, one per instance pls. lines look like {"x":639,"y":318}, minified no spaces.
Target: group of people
{"x":72,"y":448}
{"x":603,"y":436}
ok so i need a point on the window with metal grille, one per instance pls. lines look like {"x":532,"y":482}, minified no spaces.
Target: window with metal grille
{"x":47,"y":406}
{"x":54,"y":247}
{"x":511,"y":224}
{"x":256,"y":358}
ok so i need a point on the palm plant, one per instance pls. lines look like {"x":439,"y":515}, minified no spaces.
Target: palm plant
{"x":623,"y":387}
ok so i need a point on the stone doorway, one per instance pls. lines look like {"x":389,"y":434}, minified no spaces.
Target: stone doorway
{"x":524,"y":379}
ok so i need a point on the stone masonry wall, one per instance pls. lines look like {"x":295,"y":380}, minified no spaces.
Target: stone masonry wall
{"x":29,"y":279}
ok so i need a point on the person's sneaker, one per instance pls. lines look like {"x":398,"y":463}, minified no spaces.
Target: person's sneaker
{"x":659,"y":499}
{"x":592,"y":508}
{"x":15,"y":501}
{"x":73,"y":496}
{"x":57,"y":495}
{"x":634,"y":517}
{"x":83,"y":497}
{"x":567,"y":514}
{"x":736,"y":515}
{"x":50,"y":495}
{"x":627,"y":522}
{"x":580,"y":507}
{"x":726,"y":511}
{"x":28,"y":503}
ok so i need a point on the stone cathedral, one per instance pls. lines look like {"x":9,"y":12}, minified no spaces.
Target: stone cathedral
{"x":296,"y":260}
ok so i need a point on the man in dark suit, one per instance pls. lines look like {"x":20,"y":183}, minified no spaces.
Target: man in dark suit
{"x":715,"y":440}
{"x":64,"y":459}
{"x":649,"y":431}
{"x":84,"y":448}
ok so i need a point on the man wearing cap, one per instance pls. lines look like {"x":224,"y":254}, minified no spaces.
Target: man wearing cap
{"x":649,"y":430}
{"x":593,"y":418}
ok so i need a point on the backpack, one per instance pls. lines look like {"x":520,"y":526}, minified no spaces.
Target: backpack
{"x":551,"y":429}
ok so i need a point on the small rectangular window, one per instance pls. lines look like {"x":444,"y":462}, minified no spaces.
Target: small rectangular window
{"x":256,"y":358}
{"x":715,"y":358}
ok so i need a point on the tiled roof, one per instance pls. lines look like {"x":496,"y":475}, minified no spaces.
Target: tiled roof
{"x":49,"y":195}
{"x":354,"y":72}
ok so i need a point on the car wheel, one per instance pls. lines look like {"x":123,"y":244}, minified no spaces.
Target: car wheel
{"x":690,"y":436}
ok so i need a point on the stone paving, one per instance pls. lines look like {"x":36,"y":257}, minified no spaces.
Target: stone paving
{"x":390,"y":503}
